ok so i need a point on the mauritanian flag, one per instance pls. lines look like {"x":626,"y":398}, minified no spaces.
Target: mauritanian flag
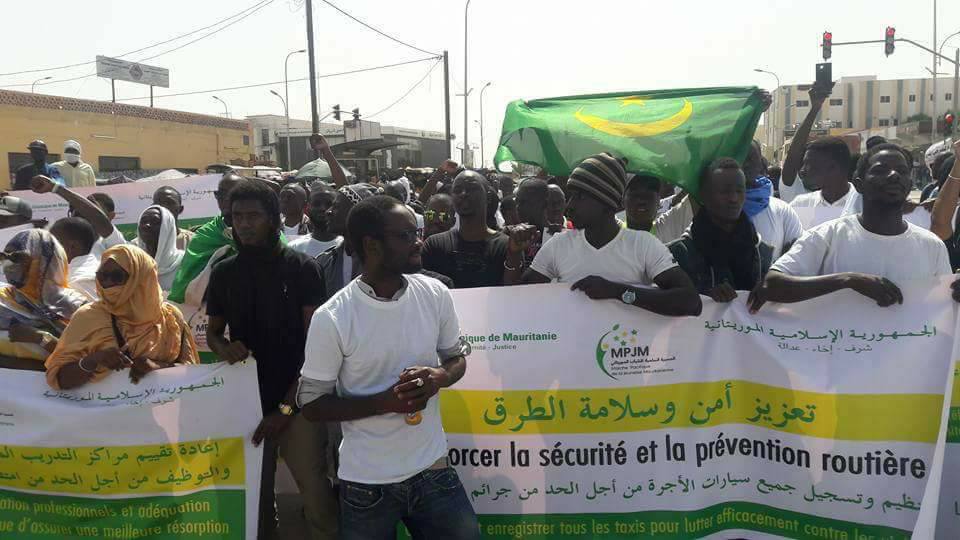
{"x":671,"y":134}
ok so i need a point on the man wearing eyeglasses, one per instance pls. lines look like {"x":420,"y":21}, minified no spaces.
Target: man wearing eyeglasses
{"x":439,"y":216}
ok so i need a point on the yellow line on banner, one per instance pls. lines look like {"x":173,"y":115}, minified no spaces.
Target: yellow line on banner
{"x":855,"y":417}
{"x":124,"y":470}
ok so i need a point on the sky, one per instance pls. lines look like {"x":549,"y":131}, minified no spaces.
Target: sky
{"x":524,"y":48}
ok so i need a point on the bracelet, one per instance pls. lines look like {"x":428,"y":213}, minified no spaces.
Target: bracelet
{"x":952,"y":177}
{"x":510,"y":268}
{"x":80,"y":363}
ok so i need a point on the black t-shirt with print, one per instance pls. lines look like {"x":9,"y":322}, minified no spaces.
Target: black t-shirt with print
{"x":468,"y":264}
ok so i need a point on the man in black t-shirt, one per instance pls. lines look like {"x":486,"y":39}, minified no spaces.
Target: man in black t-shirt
{"x":473,"y":255}
{"x":266,"y":295}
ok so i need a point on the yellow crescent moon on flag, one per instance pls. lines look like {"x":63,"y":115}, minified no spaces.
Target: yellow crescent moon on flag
{"x":647,"y":129}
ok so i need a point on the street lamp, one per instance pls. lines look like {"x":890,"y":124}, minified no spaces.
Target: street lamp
{"x":773,"y":122}
{"x":481,"y":121}
{"x":226,"y":112}
{"x":286,"y":92}
{"x":32,"y":86}
{"x":286,"y":112}
{"x":466,"y":93}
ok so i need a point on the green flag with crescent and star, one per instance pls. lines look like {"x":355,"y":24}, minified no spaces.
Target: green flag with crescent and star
{"x":671,"y":134}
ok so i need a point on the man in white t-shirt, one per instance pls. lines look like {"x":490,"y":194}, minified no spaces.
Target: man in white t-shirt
{"x":776,"y":223}
{"x":868,"y":252}
{"x":293,"y":205}
{"x":77,"y":237}
{"x":792,"y":182}
{"x":393,"y":464}
{"x":827,"y":164}
{"x":321,"y":238}
{"x":603,"y":259}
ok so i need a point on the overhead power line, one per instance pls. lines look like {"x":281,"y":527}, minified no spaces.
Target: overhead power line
{"x":256,"y":85}
{"x":408,"y":92}
{"x":262,"y":5}
{"x":181,"y":36}
{"x":384,"y":34}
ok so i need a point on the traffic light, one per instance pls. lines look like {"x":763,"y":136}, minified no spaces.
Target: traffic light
{"x":827,"y":45}
{"x":336,"y":112}
{"x":949,"y":123}
{"x":888,"y":40}
{"x":356,"y":113}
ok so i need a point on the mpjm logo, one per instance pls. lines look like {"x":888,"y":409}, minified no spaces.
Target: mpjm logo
{"x":620,"y":344}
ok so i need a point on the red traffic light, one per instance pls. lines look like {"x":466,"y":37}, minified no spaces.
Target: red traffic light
{"x":891,"y":31}
{"x":948,"y":118}
{"x":827,"y":36}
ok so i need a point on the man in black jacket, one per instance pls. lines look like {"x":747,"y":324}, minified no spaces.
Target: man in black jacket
{"x":721,"y":251}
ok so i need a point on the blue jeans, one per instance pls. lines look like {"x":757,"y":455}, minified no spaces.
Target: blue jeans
{"x":432,"y":505}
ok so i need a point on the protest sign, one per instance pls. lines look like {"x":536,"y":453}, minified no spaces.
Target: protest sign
{"x":167,"y":458}
{"x":596,"y":419}
{"x":948,"y":516}
{"x":131,"y":199}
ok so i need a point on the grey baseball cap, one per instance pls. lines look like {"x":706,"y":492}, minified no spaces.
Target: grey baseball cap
{"x":15,"y":206}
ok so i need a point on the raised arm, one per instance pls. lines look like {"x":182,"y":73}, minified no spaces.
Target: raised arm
{"x":84,"y":208}
{"x":946,"y":204}
{"x":321,"y":145}
{"x":794,"y":160}
{"x":447,"y":168}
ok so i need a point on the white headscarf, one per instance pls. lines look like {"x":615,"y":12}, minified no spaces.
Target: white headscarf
{"x":168,"y":257}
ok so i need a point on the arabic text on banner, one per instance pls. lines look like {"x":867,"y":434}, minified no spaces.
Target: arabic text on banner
{"x":167,"y":458}
{"x":811,"y":420}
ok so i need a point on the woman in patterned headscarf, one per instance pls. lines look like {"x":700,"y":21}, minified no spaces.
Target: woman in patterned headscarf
{"x":130,"y":327}
{"x":36,"y":304}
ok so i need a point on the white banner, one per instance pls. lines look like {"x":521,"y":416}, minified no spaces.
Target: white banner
{"x":168,"y":458}
{"x":596,"y":419}
{"x":131,"y":199}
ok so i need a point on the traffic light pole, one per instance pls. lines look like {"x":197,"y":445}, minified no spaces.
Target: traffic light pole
{"x":955,"y":61}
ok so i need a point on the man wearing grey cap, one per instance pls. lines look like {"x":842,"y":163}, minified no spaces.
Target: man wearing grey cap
{"x":76,"y":173}
{"x":38,"y":151}
{"x":14,"y":211}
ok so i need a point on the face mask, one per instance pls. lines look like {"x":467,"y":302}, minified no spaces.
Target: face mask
{"x":14,"y":273}
{"x":72,"y":158}
{"x":112,"y":296}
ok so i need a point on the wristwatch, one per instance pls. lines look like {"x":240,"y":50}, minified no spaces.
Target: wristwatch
{"x":628,"y":297}
{"x":287,"y":410}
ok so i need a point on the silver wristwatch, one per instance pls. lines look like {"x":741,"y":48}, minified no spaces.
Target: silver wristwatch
{"x":628,"y":297}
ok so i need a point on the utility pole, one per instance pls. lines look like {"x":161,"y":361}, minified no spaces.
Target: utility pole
{"x":446,"y":103}
{"x":933,"y":102}
{"x":314,"y":111}
{"x":466,"y":91}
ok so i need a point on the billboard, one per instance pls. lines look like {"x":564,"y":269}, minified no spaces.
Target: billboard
{"x":121,"y":70}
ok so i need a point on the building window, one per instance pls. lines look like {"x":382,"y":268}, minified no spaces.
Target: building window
{"x":246,"y":140}
{"x":948,"y":97}
{"x":896,"y":121}
{"x":117,"y":163}
{"x":884,"y":99}
{"x":803,"y":103}
{"x":884,"y":122}
{"x":931,"y":97}
{"x":836,"y":102}
{"x":912,"y":98}
{"x":264,"y":137}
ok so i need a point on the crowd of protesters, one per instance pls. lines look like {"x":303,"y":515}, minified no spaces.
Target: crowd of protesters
{"x":298,"y":276}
